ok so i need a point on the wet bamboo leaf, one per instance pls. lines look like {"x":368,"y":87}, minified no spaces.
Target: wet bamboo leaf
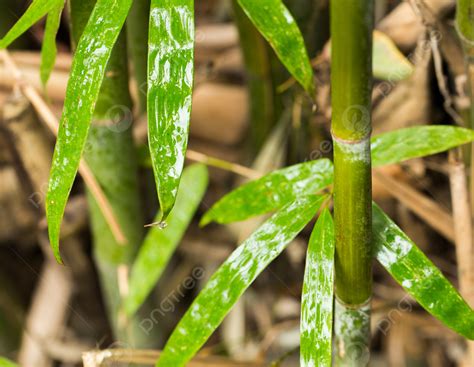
{"x":48,"y":49}
{"x":317,"y":297}
{"x":278,"y":27}
{"x":87,"y":72}
{"x":170,"y":83}
{"x":271,"y":192}
{"x":419,"y":141}
{"x":388,"y":62}
{"x":233,"y":277}
{"x":419,"y":276}
{"x":159,"y":244}
{"x":7,"y":363}
{"x":37,"y":10}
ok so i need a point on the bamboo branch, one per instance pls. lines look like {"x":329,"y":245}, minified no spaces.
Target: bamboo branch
{"x":222,"y":164}
{"x":149,"y":357}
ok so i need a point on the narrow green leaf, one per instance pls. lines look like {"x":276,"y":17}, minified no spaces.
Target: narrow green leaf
{"x":37,"y":10}
{"x":7,"y":363}
{"x":170,"y":84}
{"x":388,"y":62}
{"x":271,"y":192}
{"x":317,"y":297}
{"x":87,"y":72}
{"x":276,"y":24}
{"x":419,"y":141}
{"x":159,"y":244}
{"x":48,"y":49}
{"x":233,"y":277}
{"x":419,"y":276}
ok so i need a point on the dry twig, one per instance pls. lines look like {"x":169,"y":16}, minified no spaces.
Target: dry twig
{"x":48,"y":117}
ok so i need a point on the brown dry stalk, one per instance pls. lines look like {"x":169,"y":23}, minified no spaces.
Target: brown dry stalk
{"x":463,"y":234}
{"x":48,"y":117}
{"x":149,"y":357}
{"x":462,"y":225}
{"x":425,"y":208}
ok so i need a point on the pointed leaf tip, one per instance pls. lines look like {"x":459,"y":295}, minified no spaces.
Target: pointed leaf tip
{"x":419,"y":276}
{"x":159,"y":244}
{"x":170,"y":84}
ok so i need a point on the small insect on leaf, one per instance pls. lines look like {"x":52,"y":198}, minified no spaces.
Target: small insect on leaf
{"x":419,"y":276}
{"x":317,"y":297}
{"x":37,"y":10}
{"x":271,"y":192}
{"x":419,"y":141}
{"x":159,"y":244}
{"x":233,"y":277}
{"x":275,"y":22}
{"x":87,"y":72}
{"x":170,"y":84}
{"x":48,"y":49}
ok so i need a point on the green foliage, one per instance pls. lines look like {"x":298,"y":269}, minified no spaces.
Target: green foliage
{"x":419,"y":141}
{"x":7,"y":363}
{"x":160,"y":243}
{"x":233,"y":277}
{"x":276,"y":24}
{"x":419,"y":276}
{"x":464,"y":21}
{"x":291,"y":192}
{"x":271,"y":192}
{"x":317,"y":296}
{"x":170,"y":83}
{"x":87,"y":72}
{"x":48,"y":48}
{"x":37,"y":10}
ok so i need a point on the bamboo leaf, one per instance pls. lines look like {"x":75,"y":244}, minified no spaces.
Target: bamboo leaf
{"x":87,"y":72}
{"x":271,"y":192}
{"x":419,"y":276}
{"x":233,"y":277}
{"x":170,"y":83}
{"x":419,"y":141}
{"x":159,"y":244}
{"x":317,"y":297}
{"x":388,"y":62}
{"x":276,"y":24}
{"x":48,"y":49}
{"x":4,"y":362}
{"x":37,"y":10}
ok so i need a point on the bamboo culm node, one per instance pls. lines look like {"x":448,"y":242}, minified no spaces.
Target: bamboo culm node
{"x":351,"y":86}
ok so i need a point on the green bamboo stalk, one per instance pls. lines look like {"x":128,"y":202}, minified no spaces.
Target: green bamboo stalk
{"x":262,"y":92}
{"x":137,"y":36}
{"x":351,"y":83}
{"x":110,"y":154}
